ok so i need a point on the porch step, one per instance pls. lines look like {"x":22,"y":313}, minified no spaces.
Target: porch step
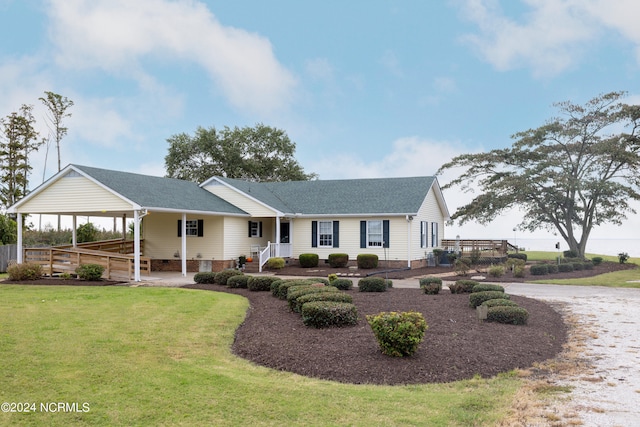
{"x":251,"y":267}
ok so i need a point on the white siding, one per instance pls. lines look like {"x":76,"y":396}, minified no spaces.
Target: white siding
{"x":431,"y":212}
{"x":237,"y":241}
{"x":246,"y":204}
{"x":74,"y":194}
{"x":161,"y":241}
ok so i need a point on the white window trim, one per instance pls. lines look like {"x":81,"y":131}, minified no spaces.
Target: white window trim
{"x":369,"y":245}
{"x":255,"y":228}
{"x":330,"y":234}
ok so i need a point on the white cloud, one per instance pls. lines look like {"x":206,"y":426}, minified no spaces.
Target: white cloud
{"x":552,"y":35}
{"x":118,"y":35}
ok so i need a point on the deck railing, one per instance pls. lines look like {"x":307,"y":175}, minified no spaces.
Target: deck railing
{"x":273,"y":250}
{"x":486,"y":247}
{"x":118,"y":246}
{"x":66,"y":260}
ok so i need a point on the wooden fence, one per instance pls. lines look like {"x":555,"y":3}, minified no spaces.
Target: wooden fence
{"x":7,"y":253}
{"x":485,"y":247}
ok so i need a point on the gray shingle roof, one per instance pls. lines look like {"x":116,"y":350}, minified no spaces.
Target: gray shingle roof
{"x":340,"y":197}
{"x":163,"y":193}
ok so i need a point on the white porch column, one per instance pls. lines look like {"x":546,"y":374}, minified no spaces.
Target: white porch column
{"x":124,"y":226}
{"x":136,"y":245}
{"x":74,"y":233}
{"x":277,"y":235}
{"x":184,"y":245}
{"x":19,"y":250}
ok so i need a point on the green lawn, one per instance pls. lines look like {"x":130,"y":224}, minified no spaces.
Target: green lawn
{"x":161,"y":356}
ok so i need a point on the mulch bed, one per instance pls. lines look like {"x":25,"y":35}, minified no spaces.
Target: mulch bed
{"x":456,"y":346}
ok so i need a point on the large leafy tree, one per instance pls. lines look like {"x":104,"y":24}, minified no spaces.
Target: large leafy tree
{"x":578,"y":171}
{"x":19,"y":139}
{"x":259,"y":153}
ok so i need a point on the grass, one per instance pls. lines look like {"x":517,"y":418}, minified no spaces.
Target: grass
{"x":618,"y":279}
{"x":161,"y":356}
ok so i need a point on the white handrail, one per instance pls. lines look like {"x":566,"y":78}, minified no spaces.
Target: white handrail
{"x":264,"y":256}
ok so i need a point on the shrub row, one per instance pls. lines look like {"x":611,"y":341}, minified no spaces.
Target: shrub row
{"x":322,"y":314}
{"x":299,"y":291}
{"x":563,"y":267}
{"x":463,"y":286}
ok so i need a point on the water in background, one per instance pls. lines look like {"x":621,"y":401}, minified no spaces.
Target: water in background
{"x":594,"y":246}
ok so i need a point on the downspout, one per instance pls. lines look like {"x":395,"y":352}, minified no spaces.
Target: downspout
{"x":409,"y":222}
{"x":184,"y":245}
{"x":19,"y":250}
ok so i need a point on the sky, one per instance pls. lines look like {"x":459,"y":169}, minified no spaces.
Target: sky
{"x":365,"y":88}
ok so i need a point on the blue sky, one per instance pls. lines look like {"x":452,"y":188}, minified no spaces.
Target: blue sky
{"x":365,"y":88}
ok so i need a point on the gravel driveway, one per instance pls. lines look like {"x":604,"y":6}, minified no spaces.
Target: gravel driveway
{"x":609,"y":395}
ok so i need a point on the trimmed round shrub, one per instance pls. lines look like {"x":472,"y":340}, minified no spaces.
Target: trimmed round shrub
{"x":293,"y":295}
{"x":308,"y":260}
{"x":322,"y":280}
{"x":260,"y":283}
{"x":456,"y":288}
{"x":477,"y":298}
{"x":24,"y":271}
{"x":552,"y":268}
{"x":467,"y":285}
{"x":222,"y":276}
{"x":565,"y":268}
{"x":338,"y":260}
{"x":285,"y":285}
{"x":91,"y":272}
{"x":519,"y":271}
{"x":578,"y":266}
{"x":323,"y":296}
{"x":482,"y":287}
{"x":372,"y":284}
{"x":322,"y":314}
{"x":496,"y":271}
{"x":539,"y":269}
{"x":238,"y":281}
{"x":343,"y":284}
{"x":597,"y":260}
{"x":518,"y":255}
{"x":276,"y":263}
{"x":206,"y":277}
{"x":499,"y":302}
{"x":431,"y":285}
{"x":506,"y":314}
{"x":367,"y":261}
{"x":570,"y":254}
{"x":398,"y":334}
{"x":275,"y":286}
{"x":588,"y":265}
{"x":389,"y":283}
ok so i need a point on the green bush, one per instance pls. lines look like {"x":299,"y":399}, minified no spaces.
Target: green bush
{"x":519,"y":271}
{"x":499,"y":302}
{"x":565,"y":268}
{"x":206,"y":277}
{"x":372,"y":284}
{"x":431,"y":285}
{"x":389,"y":283}
{"x":24,"y":271}
{"x":514,"y":262}
{"x":456,"y":288}
{"x":462,"y":266}
{"x":285,"y":285}
{"x":338,"y":260}
{"x":467,"y":285}
{"x":552,"y":268}
{"x":239,"y":281}
{"x":482,"y":287}
{"x":322,"y":280}
{"x":308,"y":260}
{"x":222,"y":276}
{"x":506,"y":314}
{"x":570,"y":254}
{"x":597,"y":260}
{"x":578,"y":266}
{"x":91,"y":272}
{"x":276,"y":263}
{"x":623,"y":257}
{"x":477,"y":298}
{"x":260,"y":283}
{"x":588,"y":265}
{"x":367,"y":261}
{"x":322,"y":314}
{"x":293,"y":295}
{"x":398,"y":334}
{"x":539,"y":269}
{"x":343,"y":284}
{"x":518,"y":255}
{"x":323,"y":296}
{"x":496,"y":271}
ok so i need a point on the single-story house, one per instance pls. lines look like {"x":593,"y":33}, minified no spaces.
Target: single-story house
{"x":183,"y":224}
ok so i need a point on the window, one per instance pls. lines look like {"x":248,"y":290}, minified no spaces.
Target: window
{"x":255,"y":228}
{"x":374,"y":234}
{"x":424,"y":234}
{"x":194,"y":227}
{"x":325,"y":233}
{"x":434,"y":234}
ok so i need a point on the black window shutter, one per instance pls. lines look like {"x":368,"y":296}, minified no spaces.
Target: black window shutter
{"x":179,"y":228}
{"x":385,"y":233}
{"x":363,"y":234}
{"x":260,"y":229}
{"x":201,"y":228}
{"x":314,"y":234}
{"x":336,"y":234}
{"x":249,"y":235}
